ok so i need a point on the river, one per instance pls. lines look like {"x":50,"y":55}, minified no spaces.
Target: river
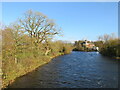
{"x":75,"y":70}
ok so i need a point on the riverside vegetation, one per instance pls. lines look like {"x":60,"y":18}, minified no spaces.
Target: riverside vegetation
{"x":27,"y":44}
{"x":109,"y":45}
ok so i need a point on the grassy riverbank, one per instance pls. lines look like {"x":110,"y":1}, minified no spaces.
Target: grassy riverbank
{"x":28,"y":61}
{"x":14,"y":71}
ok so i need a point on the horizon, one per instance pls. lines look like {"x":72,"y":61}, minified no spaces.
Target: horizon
{"x":79,"y":21}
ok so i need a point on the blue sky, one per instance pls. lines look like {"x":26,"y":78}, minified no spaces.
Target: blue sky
{"x":78,"y":20}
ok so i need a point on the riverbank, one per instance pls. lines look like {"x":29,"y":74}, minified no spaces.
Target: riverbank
{"x":25,"y":70}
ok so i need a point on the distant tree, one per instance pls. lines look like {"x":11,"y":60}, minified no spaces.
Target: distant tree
{"x":99,"y":44}
{"x":108,"y":44}
{"x":78,"y":45}
{"x":107,"y":37}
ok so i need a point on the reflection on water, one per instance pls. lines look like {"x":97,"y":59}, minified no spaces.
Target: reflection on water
{"x":75,"y":70}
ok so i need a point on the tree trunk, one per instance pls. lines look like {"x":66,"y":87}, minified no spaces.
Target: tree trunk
{"x":47,"y":51}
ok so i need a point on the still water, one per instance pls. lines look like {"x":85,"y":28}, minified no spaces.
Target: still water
{"x":75,"y":70}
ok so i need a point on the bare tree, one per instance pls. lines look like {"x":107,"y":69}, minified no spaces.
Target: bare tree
{"x":38,"y":26}
{"x":107,"y":37}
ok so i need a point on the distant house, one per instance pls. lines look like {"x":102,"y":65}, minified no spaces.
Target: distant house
{"x":89,"y":45}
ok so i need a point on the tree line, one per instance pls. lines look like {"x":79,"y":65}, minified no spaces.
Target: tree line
{"x":27,"y":44}
{"x":109,"y":45}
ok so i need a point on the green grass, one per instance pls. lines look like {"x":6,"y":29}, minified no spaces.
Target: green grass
{"x":24,"y":65}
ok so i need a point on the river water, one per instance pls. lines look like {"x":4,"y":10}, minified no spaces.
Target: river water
{"x":75,"y":70}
